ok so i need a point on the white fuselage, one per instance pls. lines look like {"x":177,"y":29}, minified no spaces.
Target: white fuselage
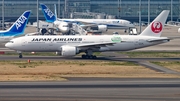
{"x":111,"y":23}
{"x":54,"y":43}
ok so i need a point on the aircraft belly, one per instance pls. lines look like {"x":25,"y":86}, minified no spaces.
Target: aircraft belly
{"x":122,"y":47}
{"x":39,"y":47}
{"x":43,"y":47}
{"x":126,"y":46}
{"x":145,"y":44}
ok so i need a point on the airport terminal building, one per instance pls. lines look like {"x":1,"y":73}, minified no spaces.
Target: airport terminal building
{"x":125,"y":9}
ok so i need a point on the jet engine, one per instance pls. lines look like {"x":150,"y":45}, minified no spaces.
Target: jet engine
{"x":69,"y":51}
{"x":100,"y":28}
{"x":64,"y":27}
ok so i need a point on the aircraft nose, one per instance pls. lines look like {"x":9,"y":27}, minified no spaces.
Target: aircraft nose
{"x":8,"y":45}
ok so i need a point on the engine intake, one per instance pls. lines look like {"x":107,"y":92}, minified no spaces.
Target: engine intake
{"x":100,"y":28}
{"x":69,"y":51}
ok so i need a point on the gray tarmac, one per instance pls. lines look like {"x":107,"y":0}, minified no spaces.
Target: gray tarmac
{"x":93,"y":89}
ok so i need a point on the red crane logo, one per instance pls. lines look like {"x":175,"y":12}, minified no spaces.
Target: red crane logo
{"x":156,"y":27}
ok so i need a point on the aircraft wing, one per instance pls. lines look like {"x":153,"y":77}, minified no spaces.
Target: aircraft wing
{"x":88,"y":25}
{"x":94,"y":45}
{"x":85,"y":25}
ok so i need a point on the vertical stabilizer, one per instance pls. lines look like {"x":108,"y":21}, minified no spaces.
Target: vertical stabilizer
{"x":49,"y":15}
{"x":18,"y":27}
{"x":156,"y":26}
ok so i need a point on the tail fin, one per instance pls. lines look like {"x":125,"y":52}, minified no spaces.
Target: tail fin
{"x":156,"y":26}
{"x":18,"y":27}
{"x":49,"y":15}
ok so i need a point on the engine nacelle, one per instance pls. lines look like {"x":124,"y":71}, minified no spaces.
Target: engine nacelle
{"x":63,"y":27}
{"x":69,"y":51}
{"x":100,"y":28}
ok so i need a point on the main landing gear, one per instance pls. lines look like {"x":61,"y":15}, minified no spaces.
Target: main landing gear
{"x":20,"y":54}
{"x":88,"y":55}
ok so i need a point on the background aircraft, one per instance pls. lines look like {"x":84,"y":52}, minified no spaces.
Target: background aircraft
{"x":72,"y":44}
{"x":16,"y":29}
{"x":174,"y":24}
{"x":100,"y":25}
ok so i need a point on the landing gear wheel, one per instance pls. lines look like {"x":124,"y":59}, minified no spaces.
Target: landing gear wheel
{"x":88,"y":56}
{"x":83,"y":56}
{"x":94,"y":57}
{"x":43,"y":31}
{"x":20,"y":55}
{"x":125,"y":31}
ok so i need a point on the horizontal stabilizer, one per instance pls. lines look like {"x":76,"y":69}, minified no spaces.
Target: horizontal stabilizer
{"x":155,"y":40}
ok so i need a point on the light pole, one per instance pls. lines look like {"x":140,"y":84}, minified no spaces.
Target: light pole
{"x":37,"y":15}
{"x":59,"y":8}
{"x":148,"y":12}
{"x":171,"y":10}
{"x":139,"y":16}
{"x":119,"y":8}
{"x":2,"y":14}
{"x":179,"y":12}
{"x":66,"y":8}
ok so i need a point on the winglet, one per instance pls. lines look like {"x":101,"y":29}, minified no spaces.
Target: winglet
{"x":49,"y":15}
{"x":18,"y":27}
{"x":156,"y":26}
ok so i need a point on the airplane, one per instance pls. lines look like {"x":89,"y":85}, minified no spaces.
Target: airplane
{"x":100,"y":25}
{"x":70,"y":45}
{"x":16,"y":29}
{"x":174,"y":24}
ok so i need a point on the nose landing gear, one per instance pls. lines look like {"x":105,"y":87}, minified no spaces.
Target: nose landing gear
{"x":20,"y":55}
